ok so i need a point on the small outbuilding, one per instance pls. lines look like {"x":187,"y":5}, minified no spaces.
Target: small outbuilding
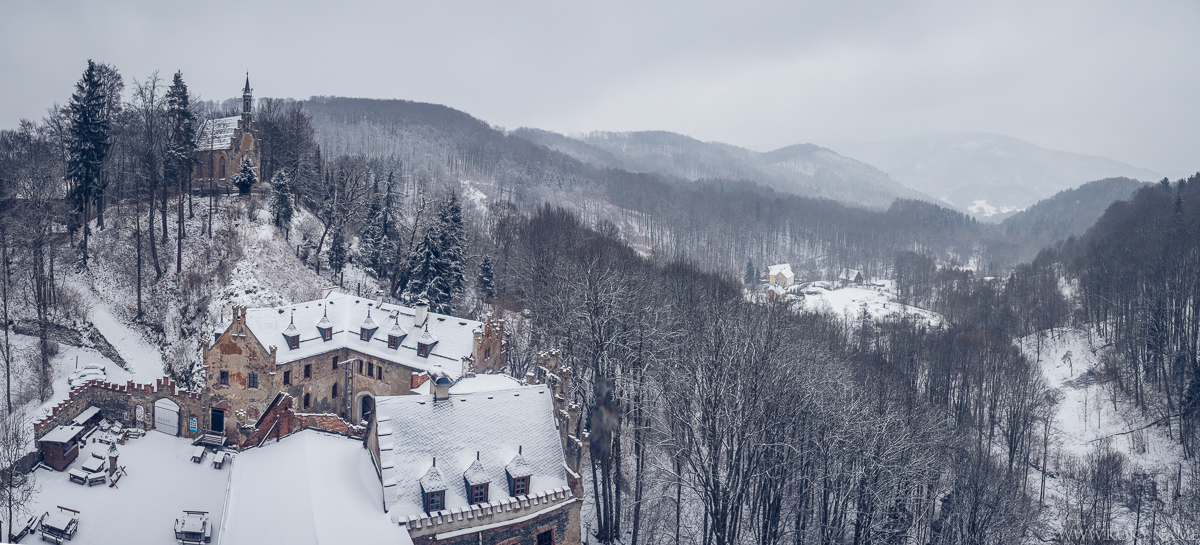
{"x":89,"y":418}
{"x":60,"y":447}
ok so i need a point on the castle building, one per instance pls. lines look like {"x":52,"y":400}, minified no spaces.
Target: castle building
{"x":336,"y":355}
{"x":222,"y":143}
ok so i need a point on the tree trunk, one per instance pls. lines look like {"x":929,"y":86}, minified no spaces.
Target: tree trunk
{"x":179,"y":231}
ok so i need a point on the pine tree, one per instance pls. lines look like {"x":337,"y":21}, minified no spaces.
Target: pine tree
{"x":181,"y":145}
{"x":451,"y":240}
{"x":244,"y":178}
{"x":751,"y":276}
{"x":337,"y":253}
{"x":436,"y":266}
{"x":487,"y":287}
{"x":281,"y":199}
{"x":88,"y":144}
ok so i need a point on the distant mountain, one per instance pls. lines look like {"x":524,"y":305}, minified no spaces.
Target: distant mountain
{"x":802,"y":169}
{"x":1068,"y":213}
{"x":989,"y":175}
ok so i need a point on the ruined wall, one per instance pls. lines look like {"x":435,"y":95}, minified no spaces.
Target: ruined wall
{"x":490,"y":352}
{"x":281,"y":420}
{"x":119,"y":402}
{"x":238,"y":353}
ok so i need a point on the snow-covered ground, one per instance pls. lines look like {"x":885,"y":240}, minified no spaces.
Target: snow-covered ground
{"x":1088,"y":412}
{"x":850,"y":302}
{"x":161,"y":482}
{"x":144,"y":361}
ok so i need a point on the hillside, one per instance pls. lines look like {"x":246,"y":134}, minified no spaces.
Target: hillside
{"x":803,"y":169}
{"x":1068,"y":213}
{"x":988,"y":175}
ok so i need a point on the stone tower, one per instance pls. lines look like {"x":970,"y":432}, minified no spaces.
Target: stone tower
{"x":247,"y":101}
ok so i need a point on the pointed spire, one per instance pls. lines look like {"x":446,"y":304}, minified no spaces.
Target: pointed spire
{"x":246,"y":91}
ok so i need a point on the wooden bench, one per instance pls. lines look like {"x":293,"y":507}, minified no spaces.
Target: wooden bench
{"x":219,"y":459}
{"x":198,"y":454}
{"x":31,"y":525}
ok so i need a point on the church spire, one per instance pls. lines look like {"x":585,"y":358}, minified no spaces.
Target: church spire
{"x":247,"y":101}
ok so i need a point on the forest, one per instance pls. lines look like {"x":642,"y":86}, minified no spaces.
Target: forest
{"x":712,"y":417}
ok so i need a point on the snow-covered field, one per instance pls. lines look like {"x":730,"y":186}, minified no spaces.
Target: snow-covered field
{"x":850,"y":302}
{"x":161,"y":482}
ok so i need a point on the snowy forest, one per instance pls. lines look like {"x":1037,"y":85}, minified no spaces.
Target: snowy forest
{"x":714,"y":415}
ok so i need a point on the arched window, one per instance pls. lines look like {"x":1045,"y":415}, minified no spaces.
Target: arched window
{"x":335,"y":392}
{"x":306,"y":400}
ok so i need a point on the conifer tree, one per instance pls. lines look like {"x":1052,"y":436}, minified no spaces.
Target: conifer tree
{"x":487,"y":286}
{"x":751,"y":276}
{"x":88,"y":144}
{"x":337,"y":253}
{"x":281,"y":199}
{"x":181,"y":144}
{"x":245,"y":178}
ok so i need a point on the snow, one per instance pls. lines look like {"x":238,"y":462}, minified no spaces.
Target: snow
{"x":161,"y":483}
{"x":452,"y":338}
{"x":145,"y":362}
{"x":310,"y":487}
{"x":982,"y":208}
{"x":785,"y":269}
{"x":216,"y":134}
{"x":61,"y":434}
{"x":484,"y":429}
{"x":1089,"y":412}
{"x":850,"y":302}
{"x":484,"y":383}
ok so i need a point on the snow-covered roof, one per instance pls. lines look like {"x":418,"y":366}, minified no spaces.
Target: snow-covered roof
{"x":433,"y":481}
{"x":216,"y":134}
{"x":476,"y":474}
{"x":61,"y":434}
{"x":346,"y":314}
{"x":308,"y":488}
{"x":785,"y":269}
{"x":849,"y":274}
{"x":519,"y":467}
{"x":86,"y":415}
{"x":495,"y":426}
{"x":484,"y":383}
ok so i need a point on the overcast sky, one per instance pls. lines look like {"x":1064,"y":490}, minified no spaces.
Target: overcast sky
{"x":1118,"y":79}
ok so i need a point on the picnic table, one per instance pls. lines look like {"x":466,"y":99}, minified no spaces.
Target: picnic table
{"x":97,"y":478}
{"x":193,"y":528}
{"x":198,"y":454}
{"x":219,"y":459}
{"x":60,"y":526}
{"x":77,"y":476}
{"x":93,"y":465}
{"x":29,"y":527}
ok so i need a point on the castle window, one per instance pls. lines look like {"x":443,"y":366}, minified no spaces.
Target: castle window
{"x":306,"y":400}
{"x":222,"y":170}
{"x":326,"y":333}
{"x":546,"y":538}
{"x":335,"y":362}
{"x":360,"y":364}
{"x":479,"y":493}
{"x":335,"y":392}
{"x":370,"y":369}
{"x":487,"y":353}
{"x":287,"y":378}
{"x":520,"y":486}
{"x":308,"y":370}
{"x":435,"y":501}
{"x":423,"y":350}
{"x":393,"y":342}
{"x":379,"y":372}
{"x":252,"y":380}
{"x":293,"y":342}
{"x":225,"y":378}
{"x":365,"y":334}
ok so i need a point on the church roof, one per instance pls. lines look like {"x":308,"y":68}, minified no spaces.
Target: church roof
{"x":247,"y":89}
{"x":216,"y":134}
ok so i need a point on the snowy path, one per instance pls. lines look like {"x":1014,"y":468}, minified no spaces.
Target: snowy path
{"x":145,"y":362}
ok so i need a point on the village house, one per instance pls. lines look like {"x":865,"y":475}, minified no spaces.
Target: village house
{"x":851,"y":277}
{"x":336,"y":355}
{"x":781,"y":275}
{"x":222,"y":143}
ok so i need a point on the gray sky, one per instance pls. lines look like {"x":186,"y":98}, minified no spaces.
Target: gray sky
{"x":1118,"y":79}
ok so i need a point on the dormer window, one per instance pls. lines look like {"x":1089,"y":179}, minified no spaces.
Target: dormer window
{"x":292,"y":336}
{"x":325,"y":327}
{"x":396,"y":334}
{"x":425,"y":343}
{"x":433,"y":489}
{"x":477,"y":480}
{"x":367,"y":329}
{"x":519,"y":471}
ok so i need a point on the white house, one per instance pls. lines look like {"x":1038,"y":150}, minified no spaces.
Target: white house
{"x":781,"y":275}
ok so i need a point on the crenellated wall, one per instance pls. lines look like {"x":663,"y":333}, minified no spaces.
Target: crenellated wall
{"x":119,"y":402}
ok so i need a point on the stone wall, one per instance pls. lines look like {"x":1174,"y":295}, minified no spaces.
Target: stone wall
{"x":119,"y":402}
{"x":281,"y":420}
{"x":516,"y":521}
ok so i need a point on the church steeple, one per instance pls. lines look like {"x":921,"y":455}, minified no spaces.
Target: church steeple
{"x":247,"y":100}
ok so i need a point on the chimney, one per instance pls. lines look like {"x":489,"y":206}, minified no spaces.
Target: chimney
{"x":439,"y":384}
{"x":422,"y":313}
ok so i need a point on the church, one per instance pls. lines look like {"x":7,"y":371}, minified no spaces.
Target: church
{"x":222,"y":143}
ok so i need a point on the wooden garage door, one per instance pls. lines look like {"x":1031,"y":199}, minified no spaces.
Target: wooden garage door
{"x":166,"y":416}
